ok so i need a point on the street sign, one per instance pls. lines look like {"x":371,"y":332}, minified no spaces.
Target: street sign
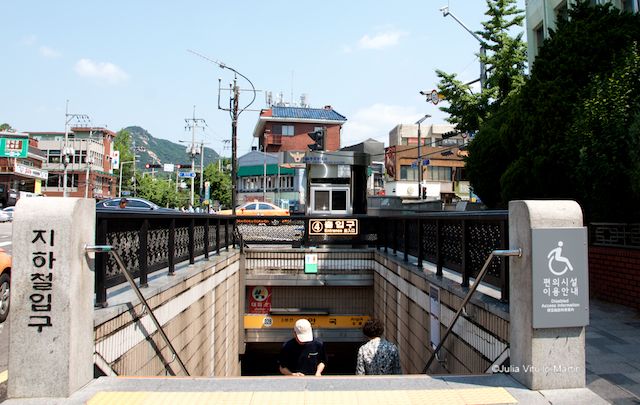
{"x":14,"y":147}
{"x":168,"y":167}
{"x":333,"y":227}
{"x":189,"y":175}
{"x":560,"y":277}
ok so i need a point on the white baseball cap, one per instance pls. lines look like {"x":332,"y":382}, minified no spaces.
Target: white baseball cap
{"x":303,"y":331}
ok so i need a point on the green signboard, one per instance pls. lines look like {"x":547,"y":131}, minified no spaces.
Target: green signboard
{"x":14,"y":147}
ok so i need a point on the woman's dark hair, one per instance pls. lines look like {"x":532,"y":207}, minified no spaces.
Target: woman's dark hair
{"x":373,"y":328}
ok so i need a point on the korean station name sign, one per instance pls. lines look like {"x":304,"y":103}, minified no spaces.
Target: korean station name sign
{"x":560,"y":277}
{"x":333,"y":227}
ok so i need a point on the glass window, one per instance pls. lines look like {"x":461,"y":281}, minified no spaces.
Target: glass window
{"x":53,"y":180}
{"x":539,"y":35}
{"x":288,"y":130}
{"x":321,"y":200}
{"x":339,"y":200}
{"x":436,"y":173}
{"x":137,"y":204}
{"x":54,"y":156}
{"x":408,"y":172}
{"x":265,"y":207}
{"x":251,"y":207}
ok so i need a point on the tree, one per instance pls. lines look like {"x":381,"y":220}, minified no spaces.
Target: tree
{"x":6,"y":127}
{"x":220,"y":183}
{"x":123,"y":144}
{"x":159,"y":190}
{"x":572,"y":130}
{"x":505,"y":62}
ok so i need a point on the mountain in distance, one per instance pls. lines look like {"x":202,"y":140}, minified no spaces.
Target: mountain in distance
{"x":159,"y":151}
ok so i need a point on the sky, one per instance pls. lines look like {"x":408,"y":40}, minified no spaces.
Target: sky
{"x":125,"y":63}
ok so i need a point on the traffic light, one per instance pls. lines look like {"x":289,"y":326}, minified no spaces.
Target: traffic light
{"x":449,"y":134}
{"x":183,"y":166}
{"x":423,"y":192}
{"x":318,"y":138}
{"x":152,"y":166}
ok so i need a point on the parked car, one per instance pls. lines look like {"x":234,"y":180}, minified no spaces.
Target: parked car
{"x":131,"y":204}
{"x":259,"y":208}
{"x":5,"y":284}
{"x":5,"y":217}
{"x":9,"y":212}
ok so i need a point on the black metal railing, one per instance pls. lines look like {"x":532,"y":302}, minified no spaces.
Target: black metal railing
{"x":615,"y":234}
{"x":148,"y":242}
{"x":457,"y":241}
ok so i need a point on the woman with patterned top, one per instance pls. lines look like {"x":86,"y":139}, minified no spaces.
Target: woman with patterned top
{"x":377,"y":356}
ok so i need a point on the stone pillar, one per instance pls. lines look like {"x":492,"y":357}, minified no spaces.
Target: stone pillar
{"x":541,"y":358}
{"x":52,"y":288}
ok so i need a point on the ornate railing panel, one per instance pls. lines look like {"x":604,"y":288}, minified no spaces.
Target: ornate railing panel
{"x":148,"y":242}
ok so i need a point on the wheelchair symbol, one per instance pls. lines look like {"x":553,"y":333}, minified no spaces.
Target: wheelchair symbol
{"x":556,"y":255}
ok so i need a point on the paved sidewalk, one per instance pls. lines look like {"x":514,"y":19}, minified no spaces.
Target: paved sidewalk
{"x":613,"y":353}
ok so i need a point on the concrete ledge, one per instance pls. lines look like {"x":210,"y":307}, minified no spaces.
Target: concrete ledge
{"x":337,"y":389}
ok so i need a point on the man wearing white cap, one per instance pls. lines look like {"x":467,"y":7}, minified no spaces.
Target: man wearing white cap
{"x":302,"y":355}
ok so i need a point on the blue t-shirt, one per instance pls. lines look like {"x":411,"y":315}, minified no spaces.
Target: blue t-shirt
{"x":302,"y":358}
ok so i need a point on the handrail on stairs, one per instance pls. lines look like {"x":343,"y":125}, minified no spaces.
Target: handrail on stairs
{"x":474,"y":287}
{"x":143,"y":301}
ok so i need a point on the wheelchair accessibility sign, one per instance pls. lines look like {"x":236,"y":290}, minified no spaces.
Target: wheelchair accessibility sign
{"x":560,"y":277}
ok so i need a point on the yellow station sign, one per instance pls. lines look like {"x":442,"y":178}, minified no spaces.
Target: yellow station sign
{"x":260,"y":321}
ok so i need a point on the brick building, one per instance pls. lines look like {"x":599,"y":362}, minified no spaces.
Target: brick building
{"x":21,"y":168}
{"x":91,"y":160}
{"x":281,"y":129}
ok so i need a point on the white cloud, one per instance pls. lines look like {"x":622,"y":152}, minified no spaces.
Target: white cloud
{"x":49,"y":52}
{"x":29,"y":40}
{"x":106,"y":71}
{"x":375,"y":122}
{"x":381,"y":40}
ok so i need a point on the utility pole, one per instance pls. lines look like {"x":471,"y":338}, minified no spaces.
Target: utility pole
{"x":192,"y":124}
{"x":235,"y":111}
{"x":68,"y":151}
{"x":88,"y":161}
{"x":234,"y":147}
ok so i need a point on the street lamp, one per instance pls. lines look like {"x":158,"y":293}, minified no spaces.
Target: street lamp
{"x":419,"y":122}
{"x":483,"y":70}
{"x":235,"y":111}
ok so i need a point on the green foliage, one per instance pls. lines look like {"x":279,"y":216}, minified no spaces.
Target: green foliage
{"x":159,"y":190}
{"x":504,"y":61}
{"x":573,"y":129}
{"x":606,"y":145}
{"x":122,"y":143}
{"x":5,"y":127}
{"x":220,"y":183}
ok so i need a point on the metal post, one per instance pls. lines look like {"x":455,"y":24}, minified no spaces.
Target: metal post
{"x":88,"y":162}
{"x":234,"y":146}
{"x":264,"y":169}
{"x":193,"y":156}
{"x":120,"y":182}
{"x":419,"y":122}
{"x":65,"y":160}
{"x":483,"y":70}
{"x":201,"y":169}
